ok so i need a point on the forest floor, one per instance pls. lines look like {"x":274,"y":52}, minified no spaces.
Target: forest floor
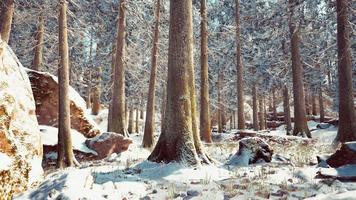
{"x":290,"y":175}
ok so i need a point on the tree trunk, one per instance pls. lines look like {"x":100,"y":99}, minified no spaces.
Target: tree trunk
{"x":261,"y":114}
{"x":6,"y":12}
{"x":239,"y":71}
{"x":95,"y":107}
{"x":321,"y":104}
{"x":287,"y":118}
{"x":131,"y":124}
{"x":163,"y":108}
{"x":306,"y":99}
{"x":254,"y":108}
{"x":65,"y":149}
{"x":205,"y":125}
{"x":300,"y":126}
{"x":176,"y":142}
{"x":347,"y":123}
{"x":220,"y":120}
{"x":137,"y":126}
{"x":314,"y":108}
{"x":274,"y":103}
{"x":150,"y":110}
{"x":264,"y":112}
{"x":37,"y":61}
{"x":118,"y":96}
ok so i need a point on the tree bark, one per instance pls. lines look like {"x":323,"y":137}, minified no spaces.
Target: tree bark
{"x":6,"y":13}
{"x":239,"y":71}
{"x":314,"y":107}
{"x":261,"y":113}
{"x":65,"y":149}
{"x":131,"y":124}
{"x":287,"y":118}
{"x":137,"y":126}
{"x":118,"y":97}
{"x":150,"y":110}
{"x":274,"y":103}
{"x":176,"y":142}
{"x":321,"y":104}
{"x":254,"y":108}
{"x":37,"y":61}
{"x":220,"y":114}
{"x":300,"y":126}
{"x":205,"y":125}
{"x":347,"y":123}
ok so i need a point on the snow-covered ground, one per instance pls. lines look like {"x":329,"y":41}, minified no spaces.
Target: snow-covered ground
{"x":290,"y":175}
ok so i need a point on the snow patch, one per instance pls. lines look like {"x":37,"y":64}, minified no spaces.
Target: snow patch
{"x":6,"y":161}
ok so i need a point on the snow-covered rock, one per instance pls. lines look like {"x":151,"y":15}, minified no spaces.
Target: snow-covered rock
{"x":108,"y":143}
{"x":347,"y":172}
{"x":45,"y":91}
{"x":251,"y":150}
{"x":20,"y":141}
{"x":345,"y":155}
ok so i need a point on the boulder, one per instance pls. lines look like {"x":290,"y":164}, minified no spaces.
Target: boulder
{"x":344,"y":156}
{"x":251,"y":150}
{"x":45,"y":91}
{"x":108,"y":143}
{"x":20,"y":140}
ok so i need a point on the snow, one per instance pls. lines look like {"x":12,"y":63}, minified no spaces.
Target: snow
{"x":346,"y":171}
{"x":50,"y":138}
{"x":6,"y":161}
{"x":351,"y":145}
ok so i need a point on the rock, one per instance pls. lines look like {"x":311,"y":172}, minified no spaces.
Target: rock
{"x":193,"y":193}
{"x":108,"y":143}
{"x":251,"y":150}
{"x":344,"y":173}
{"x":146,"y":198}
{"x":323,"y":126}
{"x":20,"y":140}
{"x":45,"y":91}
{"x":345,"y":155}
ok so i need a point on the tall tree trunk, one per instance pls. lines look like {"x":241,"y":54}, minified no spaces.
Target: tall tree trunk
{"x":274,"y":103}
{"x":234,"y":120}
{"x":347,"y":123}
{"x":205,"y":125}
{"x":220,"y":114}
{"x":65,"y":149}
{"x":176,"y":142}
{"x":150,"y":110}
{"x":287,"y":118}
{"x":300,"y":126}
{"x":95,"y":107}
{"x":137,"y":126}
{"x":261,"y":113}
{"x":37,"y":61}
{"x":314,"y":107}
{"x":118,"y":97}
{"x":239,"y":71}
{"x":265,"y":112}
{"x":131,"y":124}
{"x":306,"y":99}
{"x":321,"y":104}
{"x":254,"y":108}
{"x":6,"y":12}
{"x":163,"y":108}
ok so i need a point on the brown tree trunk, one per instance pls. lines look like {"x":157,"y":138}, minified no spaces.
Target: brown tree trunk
{"x":300,"y":126}
{"x":274,"y":103}
{"x":118,"y":97}
{"x":347,"y":123}
{"x":306,"y":99}
{"x":95,"y":107}
{"x":264,"y":112}
{"x":220,"y":114}
{"x":37,"y":61}
{"x":150,"y":110}
{"x":321,"y":104}
{"x":205,"y":125}
{"x":163,"y":108}
{"x":314,"y":107}
{"x":6,"y":13}
{"x":287,"y":118}
{"x":131,"y":124}
{"x":239,"y":71}
{"x":65,"y":149}
{"x":176,"y":142}
{"x":254,"y":108}
{"x":261,"y":114}
{"x":137,"y":126}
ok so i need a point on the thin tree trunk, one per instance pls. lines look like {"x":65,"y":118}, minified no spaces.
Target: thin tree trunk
{"x":347,"y":123}
{"x":239,"y":71}
{"x":137,"y":126}
{"x":95,"y":107}
{"x":205,"y":125}
{"x":163,"y":108}
{"x":321,"y":104}
{"x":37,"y":61}
{"x":261,"y":113}
{"x":220,"y":120}
{"x":176,"y":142}
{"x":265,"y":112}
{"x":274,"y":103}
{"x":65,"y":149}
{"x":6,"y":13}
{"x":300,"y":126}
{"x":314,"y":107}
{"x":150,"y":110}
{"x":131,"y":124}
{"x":287,"y":118}
{"x":118,"y":97}
{"x":254,"y":108}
